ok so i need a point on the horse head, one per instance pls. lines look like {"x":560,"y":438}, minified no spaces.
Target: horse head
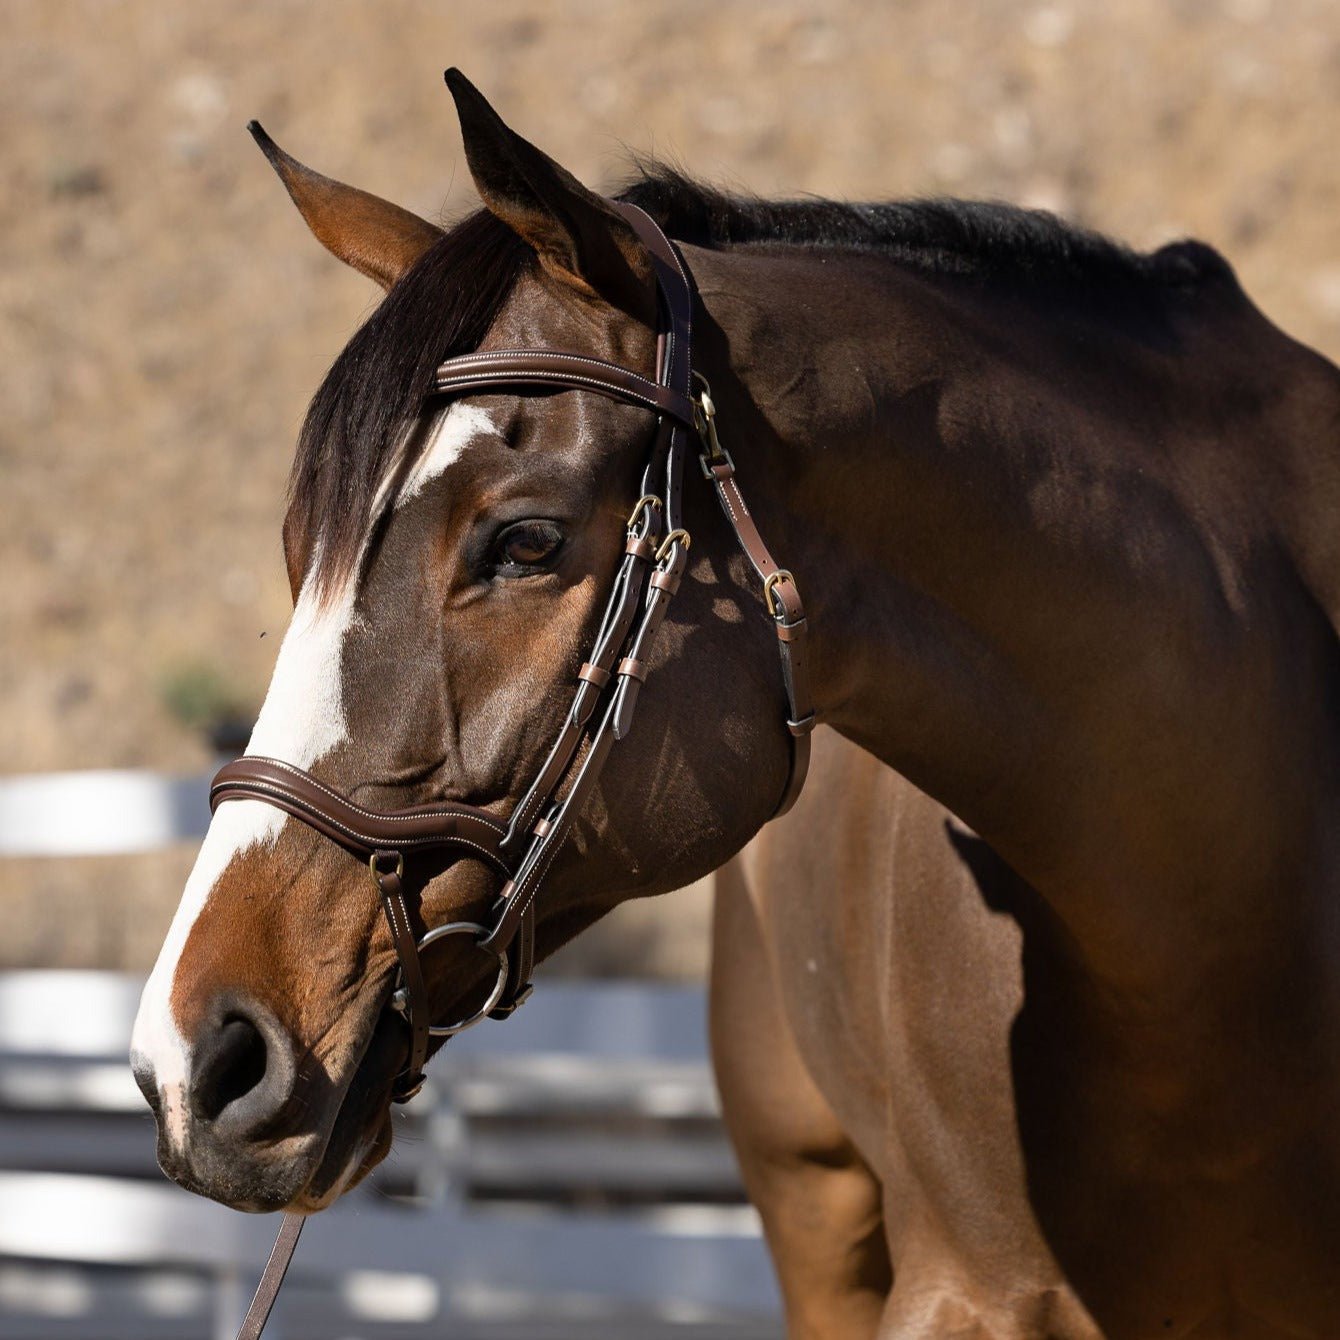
{"x":451,"y":561}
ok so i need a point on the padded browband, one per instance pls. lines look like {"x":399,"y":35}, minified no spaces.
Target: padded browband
{"x":513,"y":368}
{"x":359,"y":830}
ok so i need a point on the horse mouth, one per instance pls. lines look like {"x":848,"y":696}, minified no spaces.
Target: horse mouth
{"x":337,"y":1174}
{"x":360,"y":1136}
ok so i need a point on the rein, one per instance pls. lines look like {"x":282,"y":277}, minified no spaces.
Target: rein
{"x":409,"y":847}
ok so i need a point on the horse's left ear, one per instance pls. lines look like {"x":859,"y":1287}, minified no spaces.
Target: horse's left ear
{"x":578,"y":237}
{"x":377,"y":238}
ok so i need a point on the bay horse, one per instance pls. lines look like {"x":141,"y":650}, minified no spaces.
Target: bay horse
{"x":1025,"y":1019}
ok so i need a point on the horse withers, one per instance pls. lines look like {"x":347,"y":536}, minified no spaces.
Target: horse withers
{"x":1025,"y":1019}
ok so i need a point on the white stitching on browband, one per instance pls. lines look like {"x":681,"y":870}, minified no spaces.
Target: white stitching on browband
{"x":486,"y":377}
{"x":541,"y":353}
{"x":465,"y":360}
{"x":486,"y":819}
{"x":570,"y":379}
{"x":269,"y":789}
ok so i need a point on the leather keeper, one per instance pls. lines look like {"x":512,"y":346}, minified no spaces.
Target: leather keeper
{"x":664,"y":580}
{"x":542,"y":828}
{"x":792,"y":632}
{"x":633,"y":669}
{"x":802,"y":727}
{"x":640,"y":547}
{"x":593,"y":674}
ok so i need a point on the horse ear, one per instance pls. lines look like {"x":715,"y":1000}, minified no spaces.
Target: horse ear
{"x":579,"y":238}
{"x":377,"y":238}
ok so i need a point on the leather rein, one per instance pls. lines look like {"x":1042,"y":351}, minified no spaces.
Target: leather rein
{"x":407,"y":848}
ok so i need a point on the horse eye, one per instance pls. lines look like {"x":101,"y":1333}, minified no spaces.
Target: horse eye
{"x":526,"y":546}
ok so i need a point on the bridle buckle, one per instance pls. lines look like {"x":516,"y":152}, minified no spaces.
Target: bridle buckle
{"x":643,"y":503}
{"x":378,"y":869}
{"x":770,"y":582}
{"x":713,"y":455}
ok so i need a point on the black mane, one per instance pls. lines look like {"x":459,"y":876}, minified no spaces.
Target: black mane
{"x":443,"y":307}
{"x":983,"y":238}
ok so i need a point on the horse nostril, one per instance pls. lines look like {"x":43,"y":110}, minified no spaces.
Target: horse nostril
{"x":243,"y":1071}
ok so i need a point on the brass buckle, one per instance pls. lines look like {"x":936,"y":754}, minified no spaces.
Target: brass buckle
{"x":722,"y":457}
{"x":775,"y":608}
{"x":705,"y":420}
{"x":645,"y":501}
{"x":678,"y":534}
{"x":377,"y":870}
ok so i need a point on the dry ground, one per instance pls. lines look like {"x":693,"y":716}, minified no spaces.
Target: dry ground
{"x":164,"y":315}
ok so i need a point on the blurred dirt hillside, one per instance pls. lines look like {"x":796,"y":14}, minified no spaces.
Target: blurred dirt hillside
{"x":164,"y":314}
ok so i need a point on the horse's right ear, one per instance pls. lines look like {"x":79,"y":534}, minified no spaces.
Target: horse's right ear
{"x":377,"y":238}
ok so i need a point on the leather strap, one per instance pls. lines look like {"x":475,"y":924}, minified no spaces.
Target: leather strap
{"x":427,"y":829}
{"x":594,"y":675}
{"x":507,"y":369}
{"x":784,"y":604}
{"x":388,"y":867}
{"x":272,"y":1277}
{"x":517,"y":898}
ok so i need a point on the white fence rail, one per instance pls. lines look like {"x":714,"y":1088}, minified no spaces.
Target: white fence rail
{"x":563,"y":1176}
{"x":103,"y":813}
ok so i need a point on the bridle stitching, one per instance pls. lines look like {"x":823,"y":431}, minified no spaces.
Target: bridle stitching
{"x":364,"y":839}
{"x":571,"y":380}
{"x":448,"y":811}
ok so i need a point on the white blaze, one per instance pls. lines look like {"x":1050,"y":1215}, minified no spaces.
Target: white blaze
{"x":301,"y":721}
{"x":457,"y":426}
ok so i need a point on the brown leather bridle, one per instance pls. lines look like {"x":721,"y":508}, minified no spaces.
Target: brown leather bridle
{"x":408,"y":848}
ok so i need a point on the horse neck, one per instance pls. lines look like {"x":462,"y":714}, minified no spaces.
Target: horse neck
{"x":1011,"y":603}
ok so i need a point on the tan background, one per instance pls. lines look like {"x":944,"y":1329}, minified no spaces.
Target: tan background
{"x":164,"y":314}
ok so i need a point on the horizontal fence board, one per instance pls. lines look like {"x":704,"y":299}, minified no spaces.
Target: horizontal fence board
{"x":100,"y":813}
{"x":593,"y":1095}
{"x":45,"y":1302}
{"x":691,"y":1258}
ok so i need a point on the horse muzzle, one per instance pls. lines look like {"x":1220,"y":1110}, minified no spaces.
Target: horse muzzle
{"x":254,"y":1122}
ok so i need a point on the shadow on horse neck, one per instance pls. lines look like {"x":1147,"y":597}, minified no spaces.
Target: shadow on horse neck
{"x":1065,"y":531}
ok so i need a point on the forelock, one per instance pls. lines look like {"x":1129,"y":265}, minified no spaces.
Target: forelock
{"x":360,"y":427}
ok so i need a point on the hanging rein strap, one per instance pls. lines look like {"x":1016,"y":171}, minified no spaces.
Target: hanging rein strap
{"x":407,"y":848}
